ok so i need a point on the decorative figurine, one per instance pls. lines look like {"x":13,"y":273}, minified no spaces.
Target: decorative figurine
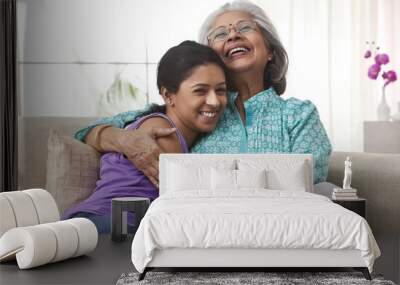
{"x":347,"y":192}
{"x":347,"y":174}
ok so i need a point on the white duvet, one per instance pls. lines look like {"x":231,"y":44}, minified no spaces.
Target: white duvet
{"x":250,"y":219}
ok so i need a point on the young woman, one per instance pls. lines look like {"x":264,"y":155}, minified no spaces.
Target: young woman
{"x":192,"y":81}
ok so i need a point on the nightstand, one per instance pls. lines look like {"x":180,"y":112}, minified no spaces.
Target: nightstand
{"x":358,"y":205}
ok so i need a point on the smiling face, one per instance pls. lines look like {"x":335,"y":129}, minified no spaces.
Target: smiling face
{"x":199,"y":101}
{"x":241,"y":52}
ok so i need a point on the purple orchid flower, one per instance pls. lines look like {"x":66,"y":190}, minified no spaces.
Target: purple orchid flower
{"x":382,"y":58}
{"x":389,"y":76}
{"x":374,"y":70}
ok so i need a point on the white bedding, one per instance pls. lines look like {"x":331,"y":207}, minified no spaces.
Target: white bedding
{"x":253,"y":218}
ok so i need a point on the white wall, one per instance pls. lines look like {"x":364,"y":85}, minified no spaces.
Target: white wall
{"x":55,"y":34}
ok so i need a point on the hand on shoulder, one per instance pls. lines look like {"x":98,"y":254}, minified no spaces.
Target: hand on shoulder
{"x":169,"y":143}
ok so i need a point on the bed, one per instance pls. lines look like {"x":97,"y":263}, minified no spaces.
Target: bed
{"x":247,"y":210}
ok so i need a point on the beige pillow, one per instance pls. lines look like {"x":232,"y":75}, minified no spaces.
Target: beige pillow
{"x":72,"y":170}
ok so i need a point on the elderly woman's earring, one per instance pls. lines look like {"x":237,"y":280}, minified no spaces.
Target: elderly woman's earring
{"x":169,"y":102}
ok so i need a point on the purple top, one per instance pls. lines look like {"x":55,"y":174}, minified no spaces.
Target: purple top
{"x":120,"y":178}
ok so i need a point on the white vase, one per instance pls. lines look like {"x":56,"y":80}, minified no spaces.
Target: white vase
{"x":383,"y":108}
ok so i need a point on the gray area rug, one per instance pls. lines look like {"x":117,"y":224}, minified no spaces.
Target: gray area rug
{"x":243,"y":278}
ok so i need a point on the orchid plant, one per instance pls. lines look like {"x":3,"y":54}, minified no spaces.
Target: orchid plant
{"x":380,"y":60}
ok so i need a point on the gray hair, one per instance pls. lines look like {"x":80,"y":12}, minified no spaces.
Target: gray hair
{"x":275,"y":70}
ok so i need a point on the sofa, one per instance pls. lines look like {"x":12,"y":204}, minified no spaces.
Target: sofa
{"x":51,"y":159}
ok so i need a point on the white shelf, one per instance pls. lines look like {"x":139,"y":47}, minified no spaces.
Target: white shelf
{"x":382,"y":137}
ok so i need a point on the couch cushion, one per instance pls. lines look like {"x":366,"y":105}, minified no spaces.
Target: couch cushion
{"x":32,"y":155}
{"x":72,"y":170}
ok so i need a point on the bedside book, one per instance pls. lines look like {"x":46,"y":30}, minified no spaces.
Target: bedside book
{"x":340,"y":190}
{"x":334,"y":197}
{"x":344,"y":194}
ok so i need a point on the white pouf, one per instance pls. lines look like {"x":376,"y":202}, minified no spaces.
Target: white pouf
{"x":26,"y":208}
{"x":31,"y":232}
{"x":40,"y":244}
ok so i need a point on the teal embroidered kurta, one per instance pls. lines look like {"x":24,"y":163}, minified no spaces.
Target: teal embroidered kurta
{"x":273,"y":124}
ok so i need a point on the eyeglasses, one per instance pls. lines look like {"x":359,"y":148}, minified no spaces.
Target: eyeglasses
{"x":222,"y":33}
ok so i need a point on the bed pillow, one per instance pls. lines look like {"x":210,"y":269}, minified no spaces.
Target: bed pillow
{"x":187,"y":175}
{"x":283,"y":173}
{"x":292,"y":179}
{"x":223,"y":179}
{"x":251,"y":179}
{"x":183,"y":177}
{"x":226,"y":179}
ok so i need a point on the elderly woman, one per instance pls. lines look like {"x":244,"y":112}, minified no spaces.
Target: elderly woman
{"x":256,"y":119}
